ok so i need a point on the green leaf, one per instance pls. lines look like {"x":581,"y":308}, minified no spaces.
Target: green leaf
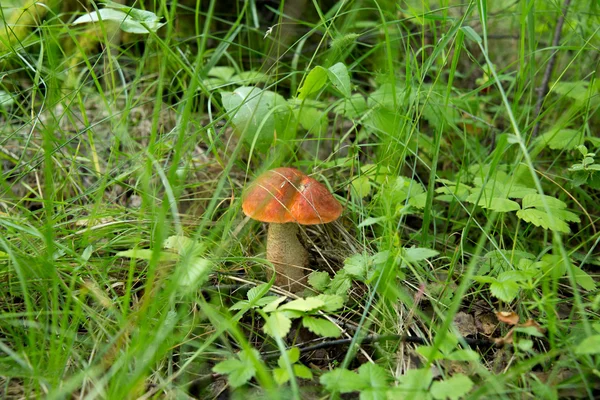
{"x":341,"y":380}
{"x":321,"y":327}
{"x":238,"y":370}
{"x":506,"y":291}
{"x":499,"y":205}
{"x":353,"y":107}
{"x":277,"y":325}
{"x":361,"y":186}
{"x":303,"y":305}
{"x":589,"y":345}
{"x":256,"y":114}
{"x":416,"y":254}
{"x":253,"y":293}
{"x":428,"y":353}
{"x":563,"y":139}
{"x":471,"y":34}
{"x":272,"y":306}
{"x":374,"y":375}
{"x":357,"y":265}
{"x":184,"y":245}
{"x":452,"y":388}
{"x":312,"y":119}
{"x":376,"y":381}
{"x":281,"y":375}
{"x":319,"y":280}
{"x":127,"y":20}
{"x":340,"y":284}
{"x":146,"y":254}
{"x":371,"y":221}
{"x":583,"y":279}
{"x":195,"y":272}
{"x":418,"y":201}
{"x":340,"y":78}
{"x":414,"y":383}
{"x":302,"y":371}
{"x":537,"y":201}
{"x":315,"y":80}
{"x":223,"y":73}
{"x":541,"y":218}
{"x":333,"y":302}
{"x":463,"y":355}
{"x":293,"y":355}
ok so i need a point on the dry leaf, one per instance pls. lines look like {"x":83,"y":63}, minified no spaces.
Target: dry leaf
{"x":465,"y":323}
{"x":508,"y":317}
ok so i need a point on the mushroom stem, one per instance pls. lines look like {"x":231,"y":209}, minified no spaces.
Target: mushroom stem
{"x":288,"y":256}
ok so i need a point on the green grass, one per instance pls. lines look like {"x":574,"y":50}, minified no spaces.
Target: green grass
{"x":114,"y":143}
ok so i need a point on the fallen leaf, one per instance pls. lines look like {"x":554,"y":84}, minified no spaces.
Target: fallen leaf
{"x":508,"y":317}
{"x":465,"y":323}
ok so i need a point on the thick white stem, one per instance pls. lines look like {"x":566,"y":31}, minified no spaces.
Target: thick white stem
{"x":288,"y":256}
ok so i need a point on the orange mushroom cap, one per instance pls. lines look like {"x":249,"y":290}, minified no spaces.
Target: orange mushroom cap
{"x":284,"y":195}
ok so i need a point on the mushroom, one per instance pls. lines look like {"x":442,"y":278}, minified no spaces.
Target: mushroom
{"x":284,"y":198}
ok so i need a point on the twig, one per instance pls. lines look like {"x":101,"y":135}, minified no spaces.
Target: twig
{"x":543,"y":90}
{"x":378,"y":338}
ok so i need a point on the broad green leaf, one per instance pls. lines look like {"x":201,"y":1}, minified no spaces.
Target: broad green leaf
{"x":361,"y":186}
{"x":541,"y":218}
{"x":248,"y":78}
{"x":374,"y":375}
{"x":293,"y":355}
{"x":563,"y":139}
{"x":126,"y":20}
{"x":577,"y":90}
{"x":333,"y":302}
{"x":340,"y":284}
{"x":340,"y":78}
{"x":195,"y":272}
{"x":277,"y":325}
{"x":314,"y":82}
{"x":341,"y":380}
{"x":256,"y":114}
{"x":223,"y":73}
{"x":312,"y":119}
{"x":371,"y":221}
{"x":415,"y":383}
{"x":303,"y":305}
{"x":302,"y":371}
{"x":357,"y":265}
{"x":146,"y":254}
{"x":589,"y":345}
{"x":353,"y":107}
{"x":252,"y":293}
{"x":418,"y":201}
{"x":583,"y":279}
{"x":319,"y":280}
{"x":184,"y":245}
{"x":281,"y":375}
{"x":238,"y":370}
{"x":321,"y":327}
{"x":506,"y":291}
{"x":463,"y":355}
{"x":537,"y":201}
{"x":274,"y":304}
{"x":429,"y":353}
{"x":499,"y":205}
{"x":416,"y":254}
{"x":452,"y":388}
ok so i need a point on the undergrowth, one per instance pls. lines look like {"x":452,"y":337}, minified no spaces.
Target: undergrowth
{"x":460,"y":138}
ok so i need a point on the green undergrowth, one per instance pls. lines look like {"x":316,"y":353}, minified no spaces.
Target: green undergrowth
{"x":464,"y":265}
